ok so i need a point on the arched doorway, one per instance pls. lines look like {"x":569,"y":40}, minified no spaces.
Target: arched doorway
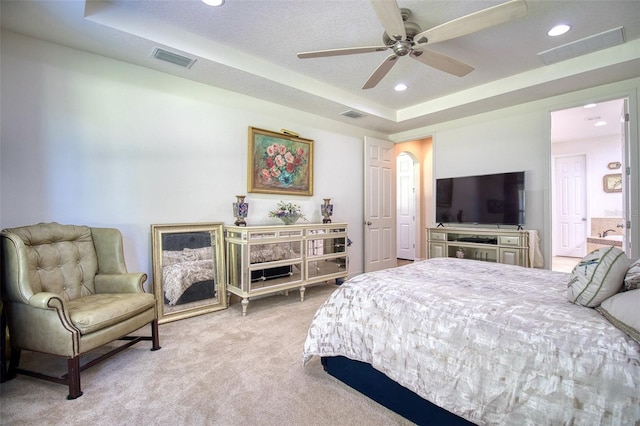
{"x":408,"y":202}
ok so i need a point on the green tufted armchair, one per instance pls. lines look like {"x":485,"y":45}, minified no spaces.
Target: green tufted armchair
{"x":66,"y":291}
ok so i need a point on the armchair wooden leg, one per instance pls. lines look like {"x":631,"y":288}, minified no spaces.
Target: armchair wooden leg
{"x":14,"y":360}
{"x":73,"y":377}
{"x":155,"y":336}
{"x":3,"y":346}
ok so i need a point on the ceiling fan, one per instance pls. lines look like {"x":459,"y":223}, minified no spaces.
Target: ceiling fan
{"x":407,"y":38}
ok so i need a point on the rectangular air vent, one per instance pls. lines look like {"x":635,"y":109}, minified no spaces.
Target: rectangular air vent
{"x":352,"y":114}
{"x":583,"y":46}
{"x":174,"y":58}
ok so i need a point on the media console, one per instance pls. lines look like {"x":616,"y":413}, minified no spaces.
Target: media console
{"x":491,"y":245}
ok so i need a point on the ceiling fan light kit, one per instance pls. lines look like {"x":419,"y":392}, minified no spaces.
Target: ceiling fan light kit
{"x":214,"y":3}
{"x":558,"y":30}
{"x":406,"y":38}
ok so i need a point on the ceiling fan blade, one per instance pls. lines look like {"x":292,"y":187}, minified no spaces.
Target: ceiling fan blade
{"x":474,"y":22}
{"x":380,"y":72}
{"x":390,"y":17}
{"x":340,"y":52}
{"x":442,"y":62}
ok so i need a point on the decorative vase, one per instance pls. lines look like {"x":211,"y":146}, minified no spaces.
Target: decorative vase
{"x":327,"y":210}
{"x":240,"y":210}
{"x":460,"y":253}
{"x":290,"y":219}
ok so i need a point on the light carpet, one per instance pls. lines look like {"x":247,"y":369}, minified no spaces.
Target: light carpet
{"x":214,"y":369}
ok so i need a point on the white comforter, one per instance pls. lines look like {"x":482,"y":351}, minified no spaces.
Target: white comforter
{"x":495,"y":344}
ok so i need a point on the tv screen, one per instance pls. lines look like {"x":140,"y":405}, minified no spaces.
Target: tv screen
{"x":496,"y":199}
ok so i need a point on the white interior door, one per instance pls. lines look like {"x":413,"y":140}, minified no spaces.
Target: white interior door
{"x":406,"y":217}
{"x":379,"y":205}
{"x":570,"y":206}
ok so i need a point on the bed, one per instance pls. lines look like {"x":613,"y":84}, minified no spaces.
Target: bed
{"x":485,"y":343}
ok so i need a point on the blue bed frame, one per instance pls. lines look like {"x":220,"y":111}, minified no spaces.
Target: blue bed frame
{"x":374,"y":384}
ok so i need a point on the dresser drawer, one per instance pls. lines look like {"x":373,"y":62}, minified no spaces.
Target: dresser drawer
{"x":438,"y":236}
{"x":509,"y":241}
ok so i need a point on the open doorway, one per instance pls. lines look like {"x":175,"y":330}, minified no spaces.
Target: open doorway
{"x":588,"y":190}
{"x":414,"y":193}
{"x":408,"y":188}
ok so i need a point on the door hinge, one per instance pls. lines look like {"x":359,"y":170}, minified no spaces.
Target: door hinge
{"x":628,"y":171}
{"x":626,"y":117}
{"x":628,"y":224}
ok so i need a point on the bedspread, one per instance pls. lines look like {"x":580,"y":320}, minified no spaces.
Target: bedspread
{"x":494,"y":344}
{"x":178,"y":277}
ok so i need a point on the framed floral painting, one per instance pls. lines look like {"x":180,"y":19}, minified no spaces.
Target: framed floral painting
{"x":279,"y":163}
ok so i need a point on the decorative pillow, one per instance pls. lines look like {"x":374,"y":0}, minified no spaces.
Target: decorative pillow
{"x":598,"y":276}
{"x":171,"y":257}
{"x":202,"y":253}
{"x":186,"y":255}
{"x":632,"y":278}
{"x":622,"y":310}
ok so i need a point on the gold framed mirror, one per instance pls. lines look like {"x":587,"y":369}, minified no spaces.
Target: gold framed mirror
{"x":188,"y":269}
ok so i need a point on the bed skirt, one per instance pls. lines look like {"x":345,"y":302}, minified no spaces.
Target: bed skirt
{"x":374,"y":384}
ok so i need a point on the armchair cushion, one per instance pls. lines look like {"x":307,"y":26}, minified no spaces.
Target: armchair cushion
{"x":98,"y":311}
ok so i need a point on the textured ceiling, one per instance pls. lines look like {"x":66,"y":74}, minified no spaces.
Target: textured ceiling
{"x":250,"y":46}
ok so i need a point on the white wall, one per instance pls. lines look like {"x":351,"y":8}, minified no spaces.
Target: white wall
{"x":90,"y":140}
{"x":485,"y":147}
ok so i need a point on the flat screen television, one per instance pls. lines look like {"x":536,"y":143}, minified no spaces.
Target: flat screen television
{"x":496,"y":199}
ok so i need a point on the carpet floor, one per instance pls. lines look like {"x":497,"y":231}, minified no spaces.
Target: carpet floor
{"x":214,"y":369}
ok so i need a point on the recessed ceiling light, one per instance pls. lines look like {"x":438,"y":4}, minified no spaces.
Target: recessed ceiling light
{"x":214,"y":3}
{"x":558,"y":30}
{"x":590,"y":106}
{"x":600,"y":123}
{"x":400,"y":87}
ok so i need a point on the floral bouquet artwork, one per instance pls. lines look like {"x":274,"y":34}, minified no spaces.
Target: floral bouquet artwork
{"x":280,"y":165}
{"x":288,"y":213}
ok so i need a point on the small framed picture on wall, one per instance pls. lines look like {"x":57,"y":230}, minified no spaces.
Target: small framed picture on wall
{"x":612,"y":182}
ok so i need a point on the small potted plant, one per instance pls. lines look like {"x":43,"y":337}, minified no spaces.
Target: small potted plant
{"x":288,"y":213}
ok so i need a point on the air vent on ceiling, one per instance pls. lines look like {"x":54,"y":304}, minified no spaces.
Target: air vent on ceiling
{"x":583,"y":46}
{"x":174,"y":58}
{"x":352,"y":114}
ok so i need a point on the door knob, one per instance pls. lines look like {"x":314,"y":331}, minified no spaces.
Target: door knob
{"x":368,"y":223}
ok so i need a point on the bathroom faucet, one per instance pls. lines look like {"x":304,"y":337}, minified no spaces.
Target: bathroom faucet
{"x":605,"y":233}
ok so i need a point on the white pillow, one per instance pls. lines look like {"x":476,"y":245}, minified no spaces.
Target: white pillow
{"x":632,"y":278}
{"x":622,"y":310}
{"x":598,"y":276}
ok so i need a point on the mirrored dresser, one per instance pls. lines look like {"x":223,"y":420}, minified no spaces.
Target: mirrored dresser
{"x":264,"y":260}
